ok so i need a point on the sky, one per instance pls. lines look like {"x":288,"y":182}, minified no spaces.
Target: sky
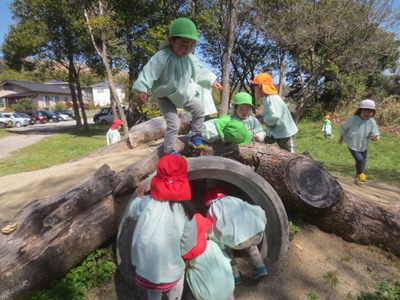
{"x":5,"y":19}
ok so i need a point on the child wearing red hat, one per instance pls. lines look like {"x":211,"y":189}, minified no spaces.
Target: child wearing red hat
{"x":236,"y":225}
{"x":113,"y":135}
{"x":208,"y":271}
{"x":165,"y":229}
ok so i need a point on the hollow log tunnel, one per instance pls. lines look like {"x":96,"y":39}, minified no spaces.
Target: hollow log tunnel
{"x":240,"y":181}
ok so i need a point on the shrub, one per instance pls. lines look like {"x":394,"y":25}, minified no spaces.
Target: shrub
{"x":23,"y":104}
{"x":60,"y":106}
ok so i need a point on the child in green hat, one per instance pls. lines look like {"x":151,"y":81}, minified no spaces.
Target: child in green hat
{"x":242,"y":111}
{"x":178,"y":80}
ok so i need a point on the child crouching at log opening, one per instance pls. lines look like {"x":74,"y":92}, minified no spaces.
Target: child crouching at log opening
{"x":208,"y":268}
{"x":356,"y":132}
{"x":236,"y":225}
{"x":165,"y":230}
{"x":175,"y":77}
{"x":242,"y":111}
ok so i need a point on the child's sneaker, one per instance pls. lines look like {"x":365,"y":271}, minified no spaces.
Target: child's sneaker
{"x":173,"y":152}
{"x":362,"y":177}
{"x":238,"y":279}
{"x":196,"y":142}
{"x":259,"y":272}
{"x":358,"y":180}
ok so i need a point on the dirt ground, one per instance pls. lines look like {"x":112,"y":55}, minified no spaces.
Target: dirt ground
{"x":313,"y":255}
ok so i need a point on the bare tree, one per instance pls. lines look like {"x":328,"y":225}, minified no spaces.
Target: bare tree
{"x":102,"y":52}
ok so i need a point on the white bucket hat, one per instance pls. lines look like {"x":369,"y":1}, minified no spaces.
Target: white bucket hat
{"x":367,"y":104}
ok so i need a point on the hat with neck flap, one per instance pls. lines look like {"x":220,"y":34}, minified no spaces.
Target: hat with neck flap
{"x":183,"y":27}
{"x":265,"y":80}
{"x":171,"y":183}
{"x":115,"y":123}
{"x":203,"y":225}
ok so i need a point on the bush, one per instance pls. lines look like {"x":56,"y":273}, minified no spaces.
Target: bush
{"x":60,"y":106}
{"x":71,"y":105}
{"x":23,"y":104}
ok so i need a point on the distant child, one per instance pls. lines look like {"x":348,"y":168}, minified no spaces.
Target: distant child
{"x":208,"y":271}
{"x":356,"y":132}
{"x":236,"y":225}
{"x":327,"y":128}
{"x":113,"y":134}
{"x":280,"y":125}
{"x":165,"y":230}
{"x":175,"y":77}
{"x":242,"y":111}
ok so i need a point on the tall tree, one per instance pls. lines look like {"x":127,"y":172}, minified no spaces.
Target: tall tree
{"x":52,"y":30}
{"x":317,"y":34}
{"x":101,"y":19}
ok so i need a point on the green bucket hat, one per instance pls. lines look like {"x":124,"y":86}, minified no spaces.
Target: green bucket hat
{"x":183,"y":27}
{"x":243,"y":98}
{"x":220,"y":123}
{"x":236,"y":132}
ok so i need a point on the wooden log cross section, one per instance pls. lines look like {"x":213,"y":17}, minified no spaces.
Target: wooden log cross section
{"x":57,"y":233}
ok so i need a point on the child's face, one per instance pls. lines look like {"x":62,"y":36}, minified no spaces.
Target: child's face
{"x":258,"y":89}
{"x":182,"y":46}
{"x":243,"y":111}
{"x":365,"y":114}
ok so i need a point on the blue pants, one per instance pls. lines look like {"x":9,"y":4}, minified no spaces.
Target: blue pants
{"x":361,"y":160}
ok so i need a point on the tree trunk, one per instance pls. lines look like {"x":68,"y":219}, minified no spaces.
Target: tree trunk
{"x":226,"y":57}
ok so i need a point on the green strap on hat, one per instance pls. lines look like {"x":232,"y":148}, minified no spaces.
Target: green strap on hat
{"x":183,"y":27}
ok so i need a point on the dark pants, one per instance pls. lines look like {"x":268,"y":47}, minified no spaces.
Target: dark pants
{"x":361,"y":160}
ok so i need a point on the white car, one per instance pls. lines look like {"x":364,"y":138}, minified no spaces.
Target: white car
{"x":109,"y":118}
{"x":63,"y":116}
{"x":17,"y":120}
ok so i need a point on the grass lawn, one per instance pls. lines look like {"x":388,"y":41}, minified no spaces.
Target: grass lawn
{"x":383,"y":162}
{"x":56,"y":149}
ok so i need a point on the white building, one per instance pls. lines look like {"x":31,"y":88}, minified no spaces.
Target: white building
{"x":102,"y":95}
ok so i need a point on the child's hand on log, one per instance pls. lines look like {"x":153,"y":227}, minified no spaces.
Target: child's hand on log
{"x":256,"y":137}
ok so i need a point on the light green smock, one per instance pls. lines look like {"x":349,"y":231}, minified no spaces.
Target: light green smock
{"x":113,"y":136}
{"x":235,"y":221}
{"x":160,"y":239}
{"x":327,"y":128}
{"x":357,"y":132}
{"x":210,"y":276}
{"x":254,"y":126}
{"x":168,"y":75}
{"x":277,"y":118}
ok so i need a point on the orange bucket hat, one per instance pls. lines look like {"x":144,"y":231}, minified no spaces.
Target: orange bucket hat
{"x":266,"y":82}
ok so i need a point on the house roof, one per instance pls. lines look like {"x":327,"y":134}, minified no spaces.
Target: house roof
{"x":104,"y":84}
{"x":38,"y":87}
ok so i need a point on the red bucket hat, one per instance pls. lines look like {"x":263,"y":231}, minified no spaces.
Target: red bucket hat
{"x":266,"y":82}
{"x":202,"y":224}
{"x":115,"y":123}
{"x":212,"y":195}
{"x":171,"y":183}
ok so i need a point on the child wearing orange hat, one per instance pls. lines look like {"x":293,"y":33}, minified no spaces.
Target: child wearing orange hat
{"x":327,"y":127}
{"x":208,"y":271}
{"x":113,"y":134}
{"x":280,"y":125}
{"x":165,"y":230}
{"x":236,"y":225}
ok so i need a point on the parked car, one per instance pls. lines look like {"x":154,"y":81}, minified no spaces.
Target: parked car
{"x":17,"y":120}
{"x":51,"y":117}
{"x":61,"y":116}
{"x":40,"y":118}
{"x":103,"y":112}
{"x":5,"y":122}
{"x":68,"y":112}
{"x":32,"y":119}
{"x":109,"y":118}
